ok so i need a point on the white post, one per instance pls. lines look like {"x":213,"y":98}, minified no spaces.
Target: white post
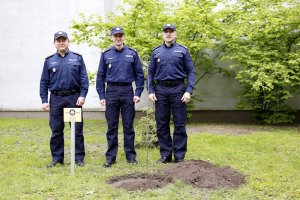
{"x":72,"y":146}
{"x":72,"y":115}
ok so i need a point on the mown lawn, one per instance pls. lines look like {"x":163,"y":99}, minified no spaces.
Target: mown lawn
{"x":270,"y":159}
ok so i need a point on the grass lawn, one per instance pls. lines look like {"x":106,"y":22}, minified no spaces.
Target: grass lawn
{"x":269,"y":157}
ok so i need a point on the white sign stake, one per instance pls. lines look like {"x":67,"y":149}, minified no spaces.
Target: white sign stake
{"x":72,"y":115}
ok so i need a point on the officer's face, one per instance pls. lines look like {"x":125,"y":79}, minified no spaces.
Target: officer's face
{"x":118,"y":39}
{"x":169,"y":35}
{"x":61,"y":44}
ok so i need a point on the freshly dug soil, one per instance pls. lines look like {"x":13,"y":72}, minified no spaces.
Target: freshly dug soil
{"x":197,"y":173}
{"x":141,"y":182}
{"x":204,"y":174}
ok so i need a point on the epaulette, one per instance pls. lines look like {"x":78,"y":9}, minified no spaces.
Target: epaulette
{"x":76,"y":53}
{"x":105,"y":50}
{"x":132,"y":49}
{"x":182,"y":46}
{"x":156,"y":47}
{"x":50,"y":56}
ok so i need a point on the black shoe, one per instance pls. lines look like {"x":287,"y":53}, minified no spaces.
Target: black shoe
{"x":109,"y":163}
{"x":54,"y":162}
{"x":164,"y":160}
{"x":132,"y":160}
{"x":79,"y":163}
{"x":178,"y":160}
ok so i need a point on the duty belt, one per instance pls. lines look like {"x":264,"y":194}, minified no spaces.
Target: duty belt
{"x":64,"y":92}
{"x":170,"y":83}
{"x":118,"y":83}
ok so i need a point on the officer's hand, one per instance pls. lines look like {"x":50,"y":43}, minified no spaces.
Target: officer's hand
{"x":102,"y":102}
{"x":152,"y":98}
{"x":136,"y":99}
{"x":80,"y":101}
{"x":45,"y":107}
{"x":186,"y":97}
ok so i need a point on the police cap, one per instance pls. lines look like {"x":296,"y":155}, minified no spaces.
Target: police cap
{"x":169,"y":26}
{"x":117,"y":29}
{"x":60,"y":34}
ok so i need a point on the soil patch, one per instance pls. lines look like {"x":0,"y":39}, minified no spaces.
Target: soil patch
{"x":204,"y":174}
{"x":197,"y":173}
{"x":138,"y":181}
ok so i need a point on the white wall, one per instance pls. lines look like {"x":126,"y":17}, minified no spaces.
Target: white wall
{"x":27,"y":29}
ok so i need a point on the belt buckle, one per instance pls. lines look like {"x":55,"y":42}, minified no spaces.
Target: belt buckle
{"x":169,"y":83}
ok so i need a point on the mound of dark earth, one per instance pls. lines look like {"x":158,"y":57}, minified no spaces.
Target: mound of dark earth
{"x":197,"y":173}
{"x":138,"y":181}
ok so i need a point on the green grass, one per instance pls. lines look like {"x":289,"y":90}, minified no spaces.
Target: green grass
{"x":270,"y":159}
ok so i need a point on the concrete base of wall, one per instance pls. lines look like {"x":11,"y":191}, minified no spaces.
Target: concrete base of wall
{"x":222,"y":116}
{"x":210,"y":116}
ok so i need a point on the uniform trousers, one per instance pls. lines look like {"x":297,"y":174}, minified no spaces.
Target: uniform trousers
{"x":119,"y":99}
{"x":57,"y":104}
{"x":169,"y":101}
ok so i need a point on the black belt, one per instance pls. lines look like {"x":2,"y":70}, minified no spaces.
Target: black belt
{"x":64,"y":92}
{"x":170,"y":83}
{"x":118,"y":83}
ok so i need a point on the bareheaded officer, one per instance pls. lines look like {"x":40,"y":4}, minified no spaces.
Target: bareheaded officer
{"x":64,"y":75}
{"x":170,"y":65}
{"x":119,"y":67}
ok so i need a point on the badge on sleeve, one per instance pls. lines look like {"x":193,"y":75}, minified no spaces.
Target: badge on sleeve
{"x":54,"y":69}
{"x":158,"y":60}
{"x":109,"y":66}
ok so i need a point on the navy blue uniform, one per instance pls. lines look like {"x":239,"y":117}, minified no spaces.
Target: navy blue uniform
{"x":169,"y":67}
{"x":66,"y":78}
{"x":119,"y":69}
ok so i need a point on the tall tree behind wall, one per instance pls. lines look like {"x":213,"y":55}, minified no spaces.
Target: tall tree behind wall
{"x":263,"y":38}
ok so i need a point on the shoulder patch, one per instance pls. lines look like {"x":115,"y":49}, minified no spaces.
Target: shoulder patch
{"x":50,"y":56}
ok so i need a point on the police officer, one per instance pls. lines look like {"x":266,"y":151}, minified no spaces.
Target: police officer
{"x":119,"y":67}
{"x":169,"y":66}
{"x":64,"y":75}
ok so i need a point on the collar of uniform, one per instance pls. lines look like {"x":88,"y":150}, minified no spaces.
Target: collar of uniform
{"x":65,"y":53}
{"x":124,"y":47}
{"x":170,"y":45}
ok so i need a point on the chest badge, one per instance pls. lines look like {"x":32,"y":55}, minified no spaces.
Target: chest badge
{"x":109,"y":66}
{"x":54,"y":69}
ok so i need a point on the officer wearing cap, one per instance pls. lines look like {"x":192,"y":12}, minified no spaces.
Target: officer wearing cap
{"x":119,"y":67}
{"x":64,"y":75}
{"x":170,"y":65}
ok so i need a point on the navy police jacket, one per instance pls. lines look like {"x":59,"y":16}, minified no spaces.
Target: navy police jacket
{"x":64,"y":73}
{"x":171,"y":63}
{"x":122,"y":66}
